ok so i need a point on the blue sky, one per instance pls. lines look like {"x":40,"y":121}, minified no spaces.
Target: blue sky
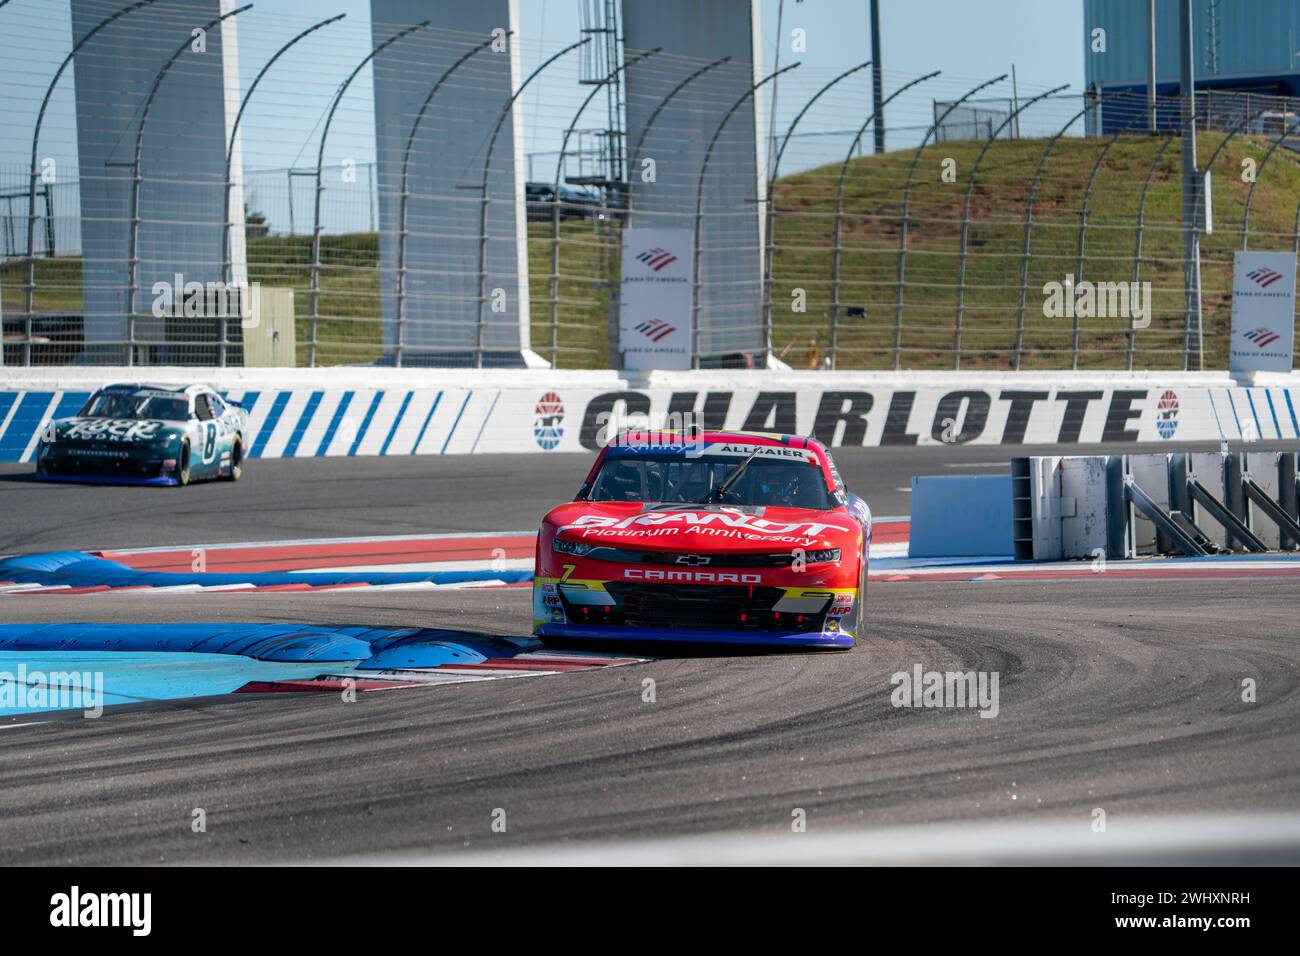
{"x":967,"y":40}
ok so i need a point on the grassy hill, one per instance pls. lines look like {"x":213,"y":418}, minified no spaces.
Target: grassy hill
{"x":992,"y":284}
{"x":802,"y":259}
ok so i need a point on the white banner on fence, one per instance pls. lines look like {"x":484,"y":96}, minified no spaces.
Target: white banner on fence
{"x":1263,"y":312}
{"x":655,"y":314}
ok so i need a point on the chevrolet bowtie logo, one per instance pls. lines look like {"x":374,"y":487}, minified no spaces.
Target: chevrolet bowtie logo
{"x":694,"y":560}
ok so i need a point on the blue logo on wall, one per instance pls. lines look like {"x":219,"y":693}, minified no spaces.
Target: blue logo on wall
{"x":548,"y":421}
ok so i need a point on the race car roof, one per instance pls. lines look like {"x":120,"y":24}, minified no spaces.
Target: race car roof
{"x":669,"y":438}
{"x":177,"y":390}
{"x":640,"y":443}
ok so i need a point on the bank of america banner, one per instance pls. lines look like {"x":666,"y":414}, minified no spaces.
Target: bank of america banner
{"x":1263,"y":312}
{"x":655,"y":316}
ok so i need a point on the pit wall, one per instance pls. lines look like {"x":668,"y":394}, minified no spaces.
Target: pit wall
{"x":306,"y":413}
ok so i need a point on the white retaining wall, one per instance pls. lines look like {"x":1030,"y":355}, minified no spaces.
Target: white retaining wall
{"x":371,"y":411}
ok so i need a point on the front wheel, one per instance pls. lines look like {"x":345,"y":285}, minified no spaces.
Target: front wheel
{"x":183,"y":464}
{"x":860,"y":619}
{"x":236,"y":460}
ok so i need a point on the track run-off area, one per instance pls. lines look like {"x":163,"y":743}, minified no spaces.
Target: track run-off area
{"x":1120,"y":691}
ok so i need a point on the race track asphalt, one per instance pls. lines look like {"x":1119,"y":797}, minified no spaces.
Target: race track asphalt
{"x":1114,"y":694}
{"x":1118,"y":694}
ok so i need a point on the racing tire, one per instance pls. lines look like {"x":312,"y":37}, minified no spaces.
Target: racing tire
{"x":183,"y":464}
{"x":236,"y":460}
{"x":860,"y":618}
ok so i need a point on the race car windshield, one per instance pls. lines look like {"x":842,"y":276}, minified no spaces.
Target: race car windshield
{"x":676,"y":480}
{"x":136,"y":405}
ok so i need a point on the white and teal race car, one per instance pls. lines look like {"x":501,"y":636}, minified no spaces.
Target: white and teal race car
{"x":135,"y":434}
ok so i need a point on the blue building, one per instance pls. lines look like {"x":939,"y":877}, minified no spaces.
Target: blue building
{"x":1247,"y":56}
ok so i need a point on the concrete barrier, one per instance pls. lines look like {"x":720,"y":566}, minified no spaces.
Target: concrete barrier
{"x":960,"y":516}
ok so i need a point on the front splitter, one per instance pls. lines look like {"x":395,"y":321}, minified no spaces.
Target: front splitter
{"x":837,"y":640}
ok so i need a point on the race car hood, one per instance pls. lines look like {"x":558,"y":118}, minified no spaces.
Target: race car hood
{"x":702,"y":529}
{"x":129,"y":431}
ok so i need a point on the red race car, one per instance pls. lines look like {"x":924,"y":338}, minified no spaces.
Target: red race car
{"x":713,"y":537}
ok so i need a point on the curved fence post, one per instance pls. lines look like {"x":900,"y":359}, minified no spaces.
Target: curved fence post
{"x":965,"y":216}
{"x":1083,"y":228}
{"x":555,"y":200}
{"x":133,"y":250}
{"x":654,"y":115}
{"x":320,"y":185}
{"x":226,"y":226}
{"x":1295,"y":230}
{"x":699,"y":210}
{"x":1029,"y":225}
{"x":770,"y":214}
{"x":405,"y":195}
{"x":1137,"y":249}
{"x":838,"y":248}
{"x":483,"y":200}
{"x":615,"y":346}
{"x":904,"y":220}
{"x":29,"y":292}
{"x":1250,"y":193}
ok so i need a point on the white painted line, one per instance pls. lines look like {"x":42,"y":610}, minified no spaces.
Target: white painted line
{"x":431,"y":678}
{"x":495,"y":674}
{"x":299,"y":542}
{"x":13,"y":409}
{"x":1181,"y":840}
{"x":410,"y":586}
{"x":426,"y":567}
{"x":40,"y":429}
{"x":894,"y":549}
